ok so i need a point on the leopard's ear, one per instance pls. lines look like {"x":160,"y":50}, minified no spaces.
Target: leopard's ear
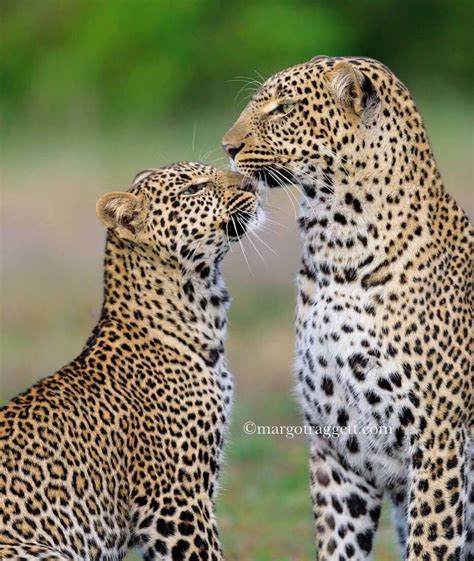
{"x":125,"y":213}
{"x":352,"y":88}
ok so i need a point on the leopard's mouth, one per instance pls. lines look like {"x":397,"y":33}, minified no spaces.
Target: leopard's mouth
{"x":275,"y":177}
{"x":270,"y":176}
{"x":237,"y":225}
{"x":242,"y":221}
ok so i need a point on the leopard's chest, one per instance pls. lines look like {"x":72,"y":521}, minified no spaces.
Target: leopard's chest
{"x":346,"y":379}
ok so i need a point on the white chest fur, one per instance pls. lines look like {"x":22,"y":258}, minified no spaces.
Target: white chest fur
{"x":346,"y":378}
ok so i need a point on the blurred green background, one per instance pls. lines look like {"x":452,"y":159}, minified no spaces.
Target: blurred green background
{"x":92,"y":92}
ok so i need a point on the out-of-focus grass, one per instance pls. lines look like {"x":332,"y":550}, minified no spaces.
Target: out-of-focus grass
{"x":264,"y":507}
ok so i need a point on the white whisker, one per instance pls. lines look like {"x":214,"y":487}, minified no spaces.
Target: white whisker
{"x":261,"y":78}
{"x":263,"y":242}
{"x":300,"y":188}
{"x":251,"y":242}
{"x":227,"y":236}
{"x":283,"y":186}
{"x":269,"y":220}
{"x":242,"y":248}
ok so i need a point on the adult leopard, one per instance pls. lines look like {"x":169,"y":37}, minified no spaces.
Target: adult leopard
{"x":384,"y":306}
{"x":122,"y":446}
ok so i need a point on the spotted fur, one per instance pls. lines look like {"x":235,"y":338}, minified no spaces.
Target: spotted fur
{"x":122,"y":446}
{"x":384,"y":313}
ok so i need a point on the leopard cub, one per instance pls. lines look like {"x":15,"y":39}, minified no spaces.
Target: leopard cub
{"x":122,"y":446}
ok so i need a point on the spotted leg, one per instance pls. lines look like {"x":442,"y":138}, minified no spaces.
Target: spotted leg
{"x":346,"y":507}
{"x":468,"y":553}
{"x":187,"y":532}
{"x":437,"y":500}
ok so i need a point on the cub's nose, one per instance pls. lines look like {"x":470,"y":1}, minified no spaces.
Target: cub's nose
{"x":231,"y":150}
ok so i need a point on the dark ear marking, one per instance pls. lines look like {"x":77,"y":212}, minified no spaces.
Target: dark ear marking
{"x":369,"y":97}
{"x":352,"y":88}
{"x":126,"y":222}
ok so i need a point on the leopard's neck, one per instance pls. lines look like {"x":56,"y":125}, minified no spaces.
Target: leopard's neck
{"x":372,"y":214}
{"x":184,"y":303}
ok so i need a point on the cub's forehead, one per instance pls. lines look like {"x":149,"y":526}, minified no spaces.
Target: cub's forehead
{"x":176,"y":174}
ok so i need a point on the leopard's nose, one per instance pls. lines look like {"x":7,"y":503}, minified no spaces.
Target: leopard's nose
{"x":231,"y":150}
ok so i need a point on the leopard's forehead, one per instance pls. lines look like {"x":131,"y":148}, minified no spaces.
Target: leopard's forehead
{"x":172,"y":175}
{"x":307,"y":77}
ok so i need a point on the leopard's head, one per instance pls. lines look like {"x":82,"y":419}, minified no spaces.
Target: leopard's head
{"x":184,"y":211}
{"x":341,"y":128}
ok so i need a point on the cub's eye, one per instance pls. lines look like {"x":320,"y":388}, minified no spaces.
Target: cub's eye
{"x":281,"y":109}
{"x":193,"y":189}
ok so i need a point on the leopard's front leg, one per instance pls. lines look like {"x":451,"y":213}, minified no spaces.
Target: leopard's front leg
{"x":346,"y":507}
{"x":437,"y":495}
{"x":181,"y":529}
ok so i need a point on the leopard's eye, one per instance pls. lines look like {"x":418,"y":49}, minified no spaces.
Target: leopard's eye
{"x":281,"y":109}
{"x":196,"y":188}
{"x":287,"y":107}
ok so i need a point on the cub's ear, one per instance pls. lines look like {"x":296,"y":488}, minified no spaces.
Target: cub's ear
{"x":352,"y":88}
{"x":125,"y":213}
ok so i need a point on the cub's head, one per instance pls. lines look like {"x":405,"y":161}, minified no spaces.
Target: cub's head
{"x":184,"y":211}
{"x":325,"y":124}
